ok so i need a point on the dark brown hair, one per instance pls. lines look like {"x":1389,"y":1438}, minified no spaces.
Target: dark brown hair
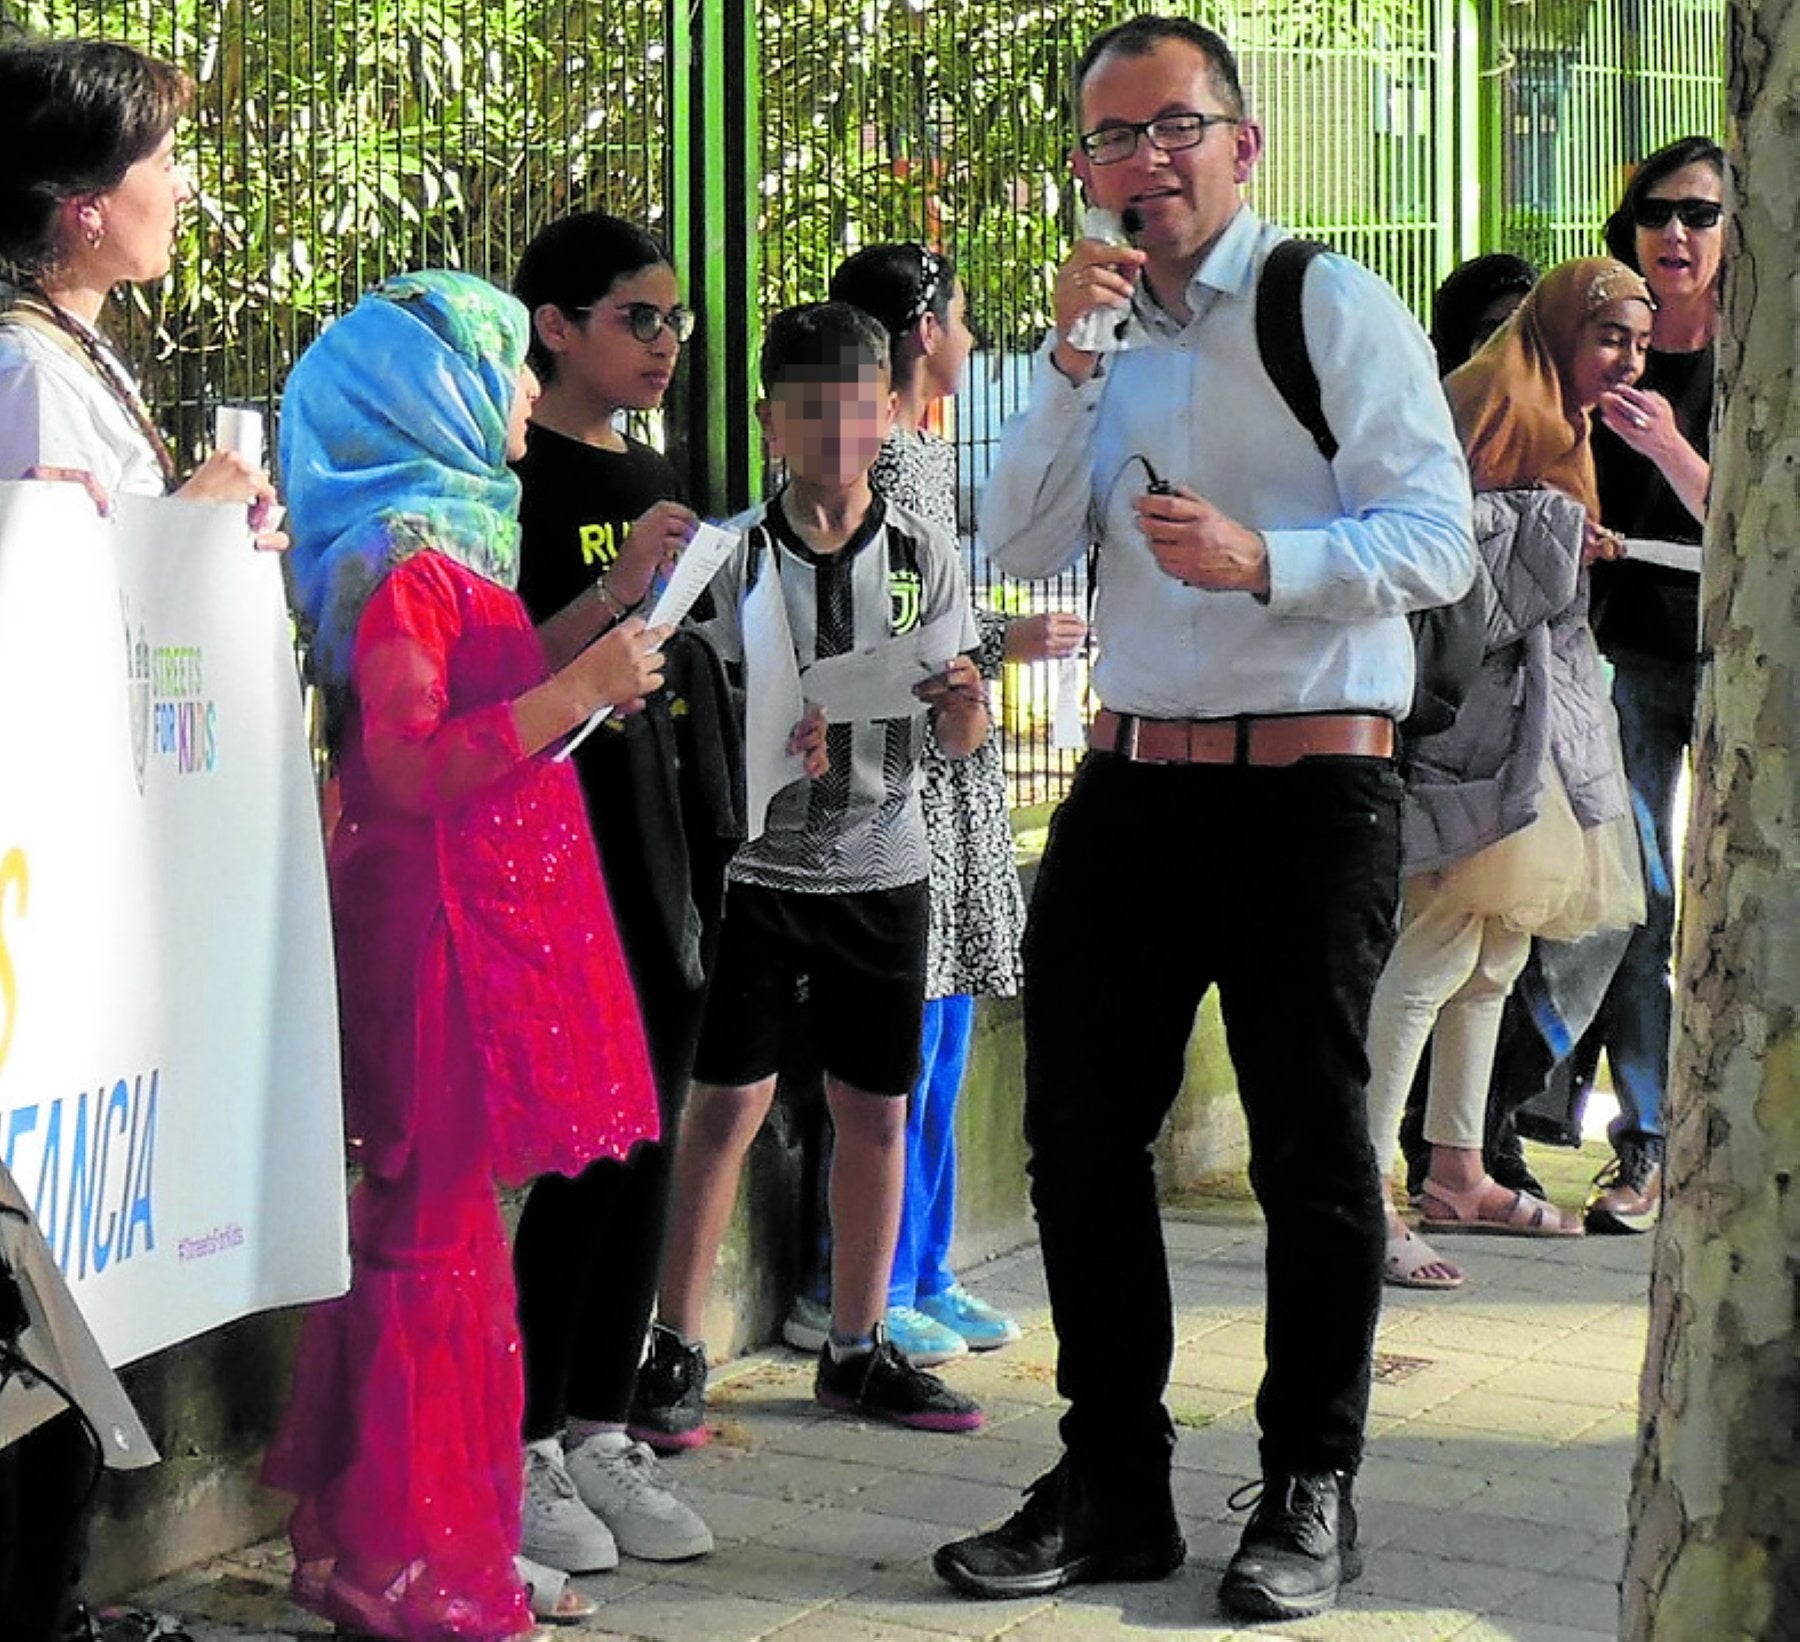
{"x":1140,"y":36}
{"x":1621,"y":226}
{"x":75,"y":116}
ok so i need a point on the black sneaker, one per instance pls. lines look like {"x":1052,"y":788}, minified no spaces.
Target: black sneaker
{"x":1052,"y":1540}
{"x":1298,"y":1547}
{"x":1627,"y":1194}
{"x":668,"y":1408}
{"x":887,"y":1385}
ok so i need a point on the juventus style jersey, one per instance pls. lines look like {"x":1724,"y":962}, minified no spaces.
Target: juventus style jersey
{"x":859,"y":826}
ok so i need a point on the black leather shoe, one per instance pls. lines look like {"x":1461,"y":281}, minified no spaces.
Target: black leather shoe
{"x":1298,"y":1548}
{"x":1055,"y":1539}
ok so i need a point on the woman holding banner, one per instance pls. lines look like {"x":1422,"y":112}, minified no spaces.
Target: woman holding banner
{"x":90,"y":197}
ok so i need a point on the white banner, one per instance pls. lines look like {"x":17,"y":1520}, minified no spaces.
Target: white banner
{"x":169,"y":1094}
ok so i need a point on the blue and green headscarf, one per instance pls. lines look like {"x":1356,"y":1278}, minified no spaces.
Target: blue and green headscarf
{"x":393,"y":442}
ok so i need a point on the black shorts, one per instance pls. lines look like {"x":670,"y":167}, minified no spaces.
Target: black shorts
{"x":863,"y":955}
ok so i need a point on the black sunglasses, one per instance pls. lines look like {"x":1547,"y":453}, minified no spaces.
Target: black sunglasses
{"x":1656,"y":213}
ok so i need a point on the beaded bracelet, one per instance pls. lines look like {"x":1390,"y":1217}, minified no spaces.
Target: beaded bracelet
{"x":607,"y":596}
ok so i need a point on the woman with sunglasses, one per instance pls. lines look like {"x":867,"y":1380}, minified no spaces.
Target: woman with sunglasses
{"x":601,"y":514}
{"x":1651,"y":456}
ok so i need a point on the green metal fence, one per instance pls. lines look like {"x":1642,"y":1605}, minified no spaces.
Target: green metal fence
{"x":337,"y":140}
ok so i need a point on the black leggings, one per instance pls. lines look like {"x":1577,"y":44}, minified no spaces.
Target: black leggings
{"x":588,"y":1251}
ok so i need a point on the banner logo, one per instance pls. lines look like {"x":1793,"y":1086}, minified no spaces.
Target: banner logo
{"x":137,"y":693}
{"x":15,"y":884}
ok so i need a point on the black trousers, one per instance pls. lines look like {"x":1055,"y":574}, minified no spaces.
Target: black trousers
{"x":588,"y":1252}
{"x":1278,"y":886}
{"x":45,"y":1507}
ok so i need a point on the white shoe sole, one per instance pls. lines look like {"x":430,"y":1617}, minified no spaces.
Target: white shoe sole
{"x":588,"y":1558}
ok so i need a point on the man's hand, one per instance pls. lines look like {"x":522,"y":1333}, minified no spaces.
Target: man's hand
{"x":652,"y":545}
{"x":1095,"y":276}
{"x":807,"y":739}
{"x":1049,"y":636}
{"x":1200,"y":546}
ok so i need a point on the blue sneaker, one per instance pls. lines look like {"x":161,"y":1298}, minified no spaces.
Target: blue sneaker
{"x":923,"y":1339}
{"x":979,"y":1324}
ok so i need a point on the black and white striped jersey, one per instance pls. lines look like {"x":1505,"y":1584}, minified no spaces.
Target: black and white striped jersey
{"x":859,"y":826}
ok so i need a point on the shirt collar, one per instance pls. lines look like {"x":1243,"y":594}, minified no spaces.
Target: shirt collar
{"x":1228,"y":269}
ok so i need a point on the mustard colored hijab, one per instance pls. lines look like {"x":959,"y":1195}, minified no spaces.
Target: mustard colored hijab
{"x":1511,"y":406}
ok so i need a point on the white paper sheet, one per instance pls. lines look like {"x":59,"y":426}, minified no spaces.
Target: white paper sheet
{"x":707,"y":549}
{"x":1068,"y":732}
{"x":1670,"y":555}
{"x":773,"y":700}
{"x":877,"y":682}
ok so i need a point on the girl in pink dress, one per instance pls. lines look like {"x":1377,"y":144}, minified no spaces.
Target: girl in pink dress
{"x":488,"y":1021}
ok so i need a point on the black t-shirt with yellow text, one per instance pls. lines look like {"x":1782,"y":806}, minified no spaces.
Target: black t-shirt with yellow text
{"x":577,"y":508}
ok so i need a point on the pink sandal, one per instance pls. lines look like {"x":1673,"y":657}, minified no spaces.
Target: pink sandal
{"x":1410,"y":1261}
{"x":1444,"y":1209}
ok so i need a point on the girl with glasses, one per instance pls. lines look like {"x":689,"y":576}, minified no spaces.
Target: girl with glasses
{"x":601,"y":515}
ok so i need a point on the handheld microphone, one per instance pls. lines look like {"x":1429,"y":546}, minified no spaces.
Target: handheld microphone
{"x":1101,"y":330}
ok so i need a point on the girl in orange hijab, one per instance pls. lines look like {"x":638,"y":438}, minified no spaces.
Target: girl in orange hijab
{"x":1517,"y":819}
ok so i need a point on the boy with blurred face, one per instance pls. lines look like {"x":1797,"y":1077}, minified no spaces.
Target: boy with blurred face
{"x":835,"y":886}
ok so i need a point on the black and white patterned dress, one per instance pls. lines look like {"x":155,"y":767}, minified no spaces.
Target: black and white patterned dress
{"x":977,"y":908}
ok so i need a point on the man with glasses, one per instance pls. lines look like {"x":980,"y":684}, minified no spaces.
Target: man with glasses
{"x":1236,"y":822}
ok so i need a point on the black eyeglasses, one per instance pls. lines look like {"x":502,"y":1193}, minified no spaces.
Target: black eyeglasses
{"x":1168,"y":133}
{"x":1656,"y":213}
{"x":645,"y":320}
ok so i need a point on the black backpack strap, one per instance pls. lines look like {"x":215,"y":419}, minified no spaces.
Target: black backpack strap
{"x":1281,"y":338}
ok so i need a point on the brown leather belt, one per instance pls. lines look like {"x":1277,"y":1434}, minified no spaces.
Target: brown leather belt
{"x":1263,"y":741}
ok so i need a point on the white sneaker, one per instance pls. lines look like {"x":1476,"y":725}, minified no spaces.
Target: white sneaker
{"x":619,"y":1481}
{"x":558,"y":1529}
{"x":807,"y":1325}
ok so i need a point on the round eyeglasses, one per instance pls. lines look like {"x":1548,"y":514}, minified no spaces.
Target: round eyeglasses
{"x":645,"y":320}
{"x":1168,"y":133}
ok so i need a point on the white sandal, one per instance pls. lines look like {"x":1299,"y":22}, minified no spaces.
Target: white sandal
{"x":553,"y":1599}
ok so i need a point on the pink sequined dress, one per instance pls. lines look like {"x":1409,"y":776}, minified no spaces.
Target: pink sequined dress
{"x":489,"y":1030}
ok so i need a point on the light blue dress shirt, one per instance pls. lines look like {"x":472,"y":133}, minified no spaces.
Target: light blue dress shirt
{"x":1354,"y":544}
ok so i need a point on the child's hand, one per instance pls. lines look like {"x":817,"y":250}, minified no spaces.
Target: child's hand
{"x":958,"y":701}
{"x":1049,"y":637}
{"x":958,"y":686}
{"x":652,"y":545}
{"x":1597,"y":542}
{"x":807,"y":740}
{"x":622,"y":667}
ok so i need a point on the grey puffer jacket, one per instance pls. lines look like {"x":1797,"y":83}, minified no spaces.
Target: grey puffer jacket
{"x":1541,"y":684}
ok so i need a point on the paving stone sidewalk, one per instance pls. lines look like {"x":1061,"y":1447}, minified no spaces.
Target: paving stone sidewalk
{"x":1492,"y":1500}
